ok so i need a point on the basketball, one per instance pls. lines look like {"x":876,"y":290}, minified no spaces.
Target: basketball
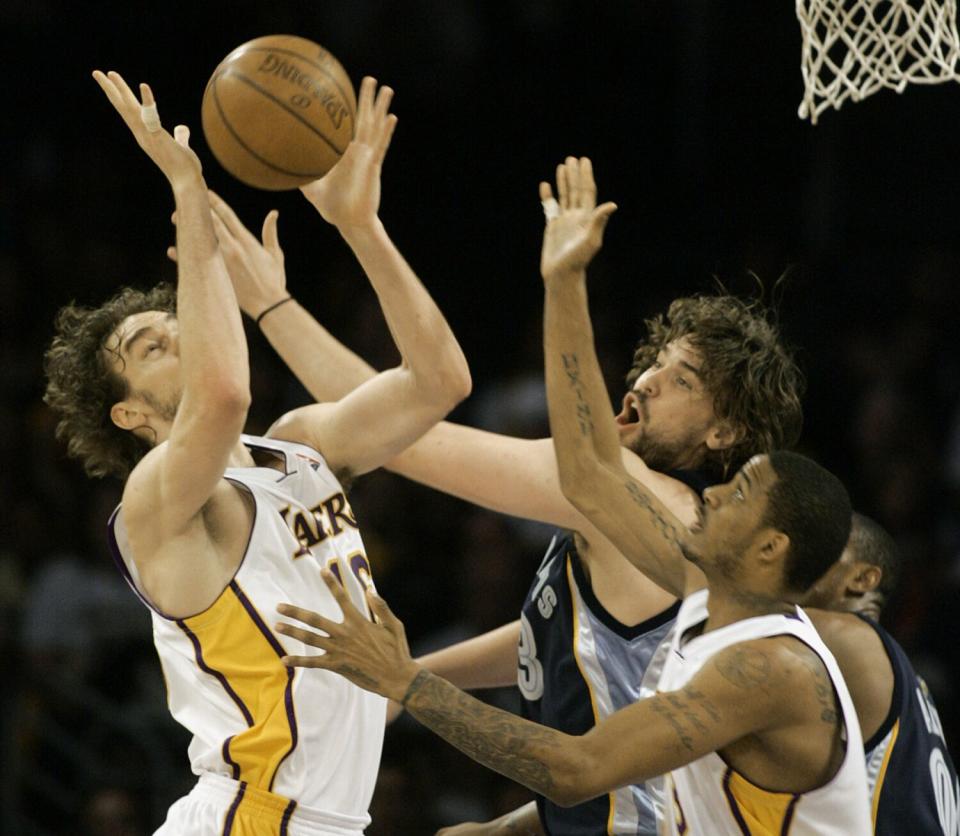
{"x":278,"y":112}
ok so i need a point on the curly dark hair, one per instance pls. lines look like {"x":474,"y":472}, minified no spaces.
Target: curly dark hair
{"x":754,"y":380}
{"x":82,"y":387}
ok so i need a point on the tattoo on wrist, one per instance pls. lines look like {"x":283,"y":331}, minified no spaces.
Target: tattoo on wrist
{"x":415,"y":686}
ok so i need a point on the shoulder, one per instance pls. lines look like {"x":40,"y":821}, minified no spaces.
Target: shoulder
{"x":301,"y":425}
{"x":772,"y":667}
{"x":678,"y":497}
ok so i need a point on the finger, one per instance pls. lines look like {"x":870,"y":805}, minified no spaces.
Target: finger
{"x":588,"y":186}
{"x":108,"y":87}
{"x":365,"y":108}
{"x":309,"y":617}
{"x":305,"y":661}
{"x":225,"y":219}
{"x":305,"y":636}
{"x":271,"y":241}
{"x":600,"y":216}
{"x":123,"y":89}
{"x":562,"y":196}
{"x":181,"y":133}
{"x":340,"y":594}
{"x":381,"y":609}
{"x":173,"y":218}
{"x":224,"y":235}
{"x":382,"y":106}
{"x":146,"y":95}
{"x":573,"y":182}
{"x":385,"y":136}
{"x":172,"y":254}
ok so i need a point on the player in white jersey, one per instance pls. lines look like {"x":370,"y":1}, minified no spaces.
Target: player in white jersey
{"x":215,"y":528}
{"x":765,"y":697}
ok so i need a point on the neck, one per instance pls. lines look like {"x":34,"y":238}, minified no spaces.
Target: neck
{"x":729,"y":604}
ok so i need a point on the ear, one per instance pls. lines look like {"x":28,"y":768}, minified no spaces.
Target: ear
{"x":723,"y":436}
{"x":127,"y":415}
{"x":773,"y":546}
{"x":865,"y":578}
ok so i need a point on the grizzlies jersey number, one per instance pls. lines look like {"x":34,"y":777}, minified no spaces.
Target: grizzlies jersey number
{"x":912,"y":778}
{"x":577,"y":665}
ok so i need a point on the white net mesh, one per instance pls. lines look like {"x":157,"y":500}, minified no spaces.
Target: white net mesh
{"x":853,"y":48}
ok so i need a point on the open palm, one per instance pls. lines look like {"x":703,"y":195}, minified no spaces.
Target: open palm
{"x":349,"y":194}
{"x":575,"y":224}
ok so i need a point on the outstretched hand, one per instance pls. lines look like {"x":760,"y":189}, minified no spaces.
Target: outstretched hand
{"x":575,"y":224}
{"x":255,"y":266}
{"x":348,"y":196}
{"x":371,"y":654}
{"x":172,"y":154}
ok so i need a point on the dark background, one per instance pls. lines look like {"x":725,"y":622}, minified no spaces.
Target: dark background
{"x":688,"y":109}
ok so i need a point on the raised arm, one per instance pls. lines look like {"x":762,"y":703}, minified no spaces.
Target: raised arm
{"x":589,"y":456}
{"x":173,"y":482}
{"x":748,"y":688}
{"x":326,"y":367}
{"x":384,"y":415}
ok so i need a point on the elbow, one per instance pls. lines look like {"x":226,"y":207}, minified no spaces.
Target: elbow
{"x":573,"y":785}
{"x":454,"y":381}
{"x":445,"y":387}
{"x":577,"y":480}
{"x":228,"y":403}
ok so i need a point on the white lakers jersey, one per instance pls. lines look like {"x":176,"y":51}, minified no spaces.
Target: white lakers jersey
{"x":708,"y":798}
{"x":308,"y":736}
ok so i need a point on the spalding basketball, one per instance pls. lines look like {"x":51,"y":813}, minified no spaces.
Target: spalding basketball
{"x":278,"y":112}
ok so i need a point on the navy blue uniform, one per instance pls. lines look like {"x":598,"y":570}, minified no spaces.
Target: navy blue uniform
{"x":913,"y":781}
{"x":578,"y":665}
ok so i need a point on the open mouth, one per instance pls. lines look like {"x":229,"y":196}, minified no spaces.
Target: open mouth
{"x":631,"y":412}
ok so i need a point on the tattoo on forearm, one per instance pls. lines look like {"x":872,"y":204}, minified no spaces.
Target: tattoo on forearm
{"x":571,"y":365}
{"x":745,"y":668}
{"x":687,"y":711}
{"x":413,"y":687}
{"x":513,"y":747}
{"x":664,"y":527}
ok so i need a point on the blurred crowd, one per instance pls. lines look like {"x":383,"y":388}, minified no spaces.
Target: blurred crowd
{"x":689,"y":114}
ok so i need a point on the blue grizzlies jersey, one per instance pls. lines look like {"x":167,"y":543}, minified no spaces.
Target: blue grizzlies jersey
{"x":913,"y":782}
{"x":578,"y":665}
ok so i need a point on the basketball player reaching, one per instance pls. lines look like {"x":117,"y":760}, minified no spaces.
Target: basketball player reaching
{"x":711,"y":387}
{"x":216,"y":527}
{"x":752,"y":721}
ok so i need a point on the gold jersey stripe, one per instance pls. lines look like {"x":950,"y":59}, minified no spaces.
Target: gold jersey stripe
{"x":761,"y":812}
{"x":237,"y":645}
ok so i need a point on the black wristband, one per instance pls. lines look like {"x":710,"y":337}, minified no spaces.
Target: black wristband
{"x":273,"y":307}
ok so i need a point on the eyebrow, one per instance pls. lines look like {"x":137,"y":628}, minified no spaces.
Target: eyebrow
{"x":691,"y":368}
{"x":129,"y":342}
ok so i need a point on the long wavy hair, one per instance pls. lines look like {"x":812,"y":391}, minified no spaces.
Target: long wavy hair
{"x":754,"y":379}
{"x":82,"y":386}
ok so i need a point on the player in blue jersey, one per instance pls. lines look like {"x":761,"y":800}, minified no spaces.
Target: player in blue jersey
{"x":913,"y":780}
{"x":711,"y":386}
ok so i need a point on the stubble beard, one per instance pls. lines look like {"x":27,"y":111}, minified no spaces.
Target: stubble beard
{"x":165,"y":407}
{"x":659,"y":455}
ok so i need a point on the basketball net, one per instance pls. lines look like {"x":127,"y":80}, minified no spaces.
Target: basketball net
{"x":853,"y":48}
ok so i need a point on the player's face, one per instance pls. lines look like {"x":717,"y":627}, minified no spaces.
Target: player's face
{"x":668,"y":416}
{"x":145,"y":351}
{"x":731,"y":520}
